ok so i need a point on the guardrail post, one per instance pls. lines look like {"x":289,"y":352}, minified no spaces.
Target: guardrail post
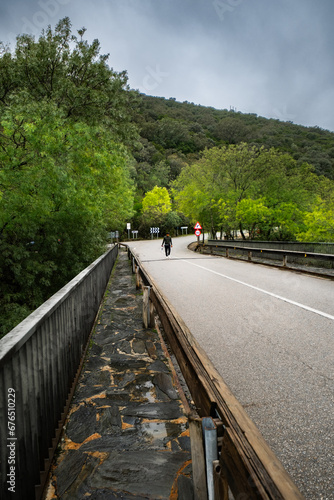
{"x":285,"y":260}
{"x":249,"y":255}
{"x":227,"y":253}
{"x":211,"y":452}
{"x":148,"y":308}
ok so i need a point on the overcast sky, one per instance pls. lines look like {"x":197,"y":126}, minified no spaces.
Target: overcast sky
{"x":269,"y":57}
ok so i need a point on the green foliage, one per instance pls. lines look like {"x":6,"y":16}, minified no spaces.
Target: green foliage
{"x":71,"y":72}
{"x":172,"y":221}
{"x":65,"y":171}
{"x":254,"y":215}
{"x":156,"y":204}
{"x":185,"y":130}
{"x":319,"y":223}
{"x":175,"y":136}
{"x":157,"y":211}
{"x":244,"y":187}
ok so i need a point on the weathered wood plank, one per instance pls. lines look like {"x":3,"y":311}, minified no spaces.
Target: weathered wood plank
{"x":198,"y":459}
{"x":147,"y":320}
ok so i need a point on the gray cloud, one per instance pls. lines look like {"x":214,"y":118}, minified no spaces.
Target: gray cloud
{"x":270,"y":57}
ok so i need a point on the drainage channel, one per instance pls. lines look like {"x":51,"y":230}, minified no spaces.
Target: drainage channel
{"x":127,"y":434}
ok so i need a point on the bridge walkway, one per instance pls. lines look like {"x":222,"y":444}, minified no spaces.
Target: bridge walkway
{"x":126,"y":435}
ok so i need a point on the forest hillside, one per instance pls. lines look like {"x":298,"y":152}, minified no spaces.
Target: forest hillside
{"x":177,"y":132}
{"x":232,"y":171}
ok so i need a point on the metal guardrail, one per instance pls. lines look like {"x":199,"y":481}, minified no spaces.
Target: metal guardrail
{"x":39,"y":362}
{"x":264,"y":252}
{"x":299,"y":246}
{"x":245,"y":464}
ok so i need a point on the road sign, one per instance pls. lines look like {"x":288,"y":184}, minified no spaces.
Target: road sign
{"x":198,"y":232}
{"x":197,"y":226}
{"x":154,"y":230}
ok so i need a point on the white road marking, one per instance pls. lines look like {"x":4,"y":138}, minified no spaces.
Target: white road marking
{"x":302,"y":306}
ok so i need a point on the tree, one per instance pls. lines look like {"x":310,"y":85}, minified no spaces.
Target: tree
{"x":193,"y":195}
{"x":221,"y":178}
{"x":254,"y":216}
{"x":171,"y":221}
{"x":231,"y":130}
{"x":65,"y":175}
{"x":319,"y":223}
{"x":156,"y":203}
{"x":242,"y":186}
{"x":71,"y":72}
{"x":62,"y":186}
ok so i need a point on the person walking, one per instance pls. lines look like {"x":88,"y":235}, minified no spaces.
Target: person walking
{"x":167,"y":241}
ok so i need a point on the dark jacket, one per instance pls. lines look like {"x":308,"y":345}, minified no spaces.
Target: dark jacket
{"x":167,"y":240}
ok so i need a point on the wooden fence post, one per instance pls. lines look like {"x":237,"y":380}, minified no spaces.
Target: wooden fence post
{"x":148,"y":308}
{"x":198,"y":458}
{"x":138,"y":279}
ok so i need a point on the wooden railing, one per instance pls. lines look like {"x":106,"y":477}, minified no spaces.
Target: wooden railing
{"x":245,"y":464}
{"x":39,"y":362}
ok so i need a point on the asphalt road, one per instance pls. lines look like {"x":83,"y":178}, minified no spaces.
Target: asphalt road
{"x":270,"y":334}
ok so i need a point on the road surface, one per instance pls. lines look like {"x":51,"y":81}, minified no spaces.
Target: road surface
{"x":270,"y":334}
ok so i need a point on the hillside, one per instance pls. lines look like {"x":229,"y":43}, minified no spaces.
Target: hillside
{"x":173,"y":133}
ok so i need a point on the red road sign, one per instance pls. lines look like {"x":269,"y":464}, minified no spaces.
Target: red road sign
{"x":197,"y":226}
{"x":198,"y":232}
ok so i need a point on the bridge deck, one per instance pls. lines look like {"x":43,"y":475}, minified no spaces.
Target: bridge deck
{"x":126,"y":435}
